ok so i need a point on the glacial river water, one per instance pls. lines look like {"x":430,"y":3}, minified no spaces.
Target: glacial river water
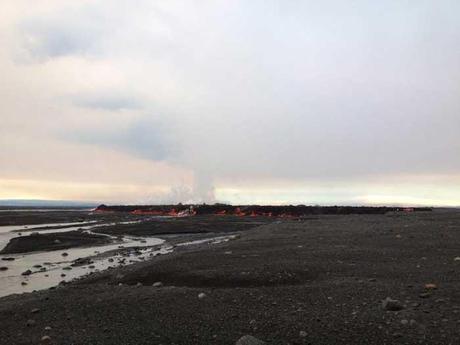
{"x":49,"y":268}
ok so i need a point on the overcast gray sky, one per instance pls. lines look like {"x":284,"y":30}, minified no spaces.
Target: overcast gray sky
{"x":331,"y":102}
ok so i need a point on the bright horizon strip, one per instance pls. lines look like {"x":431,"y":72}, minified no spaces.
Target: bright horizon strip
{"x":310,"y":194}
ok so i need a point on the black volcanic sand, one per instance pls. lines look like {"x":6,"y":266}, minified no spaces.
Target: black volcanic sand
{"x":316,"y":281}
{"x":53,"y":241}
{"x":35,"y":217}
{"x":186,"y":225}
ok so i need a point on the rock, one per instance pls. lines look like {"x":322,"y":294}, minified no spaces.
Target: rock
{"x":46,"y":339}
{"x":201,"y":295}
{"x":404,"y":322}
{"x":392,"y":304}
{"x":62,"y":274}
{"x":37,"y":266}
{"x":139,"y":284}
{"x":67,"y":268}
{"x":3,"y":268}
{"x":30,"y":323}
{"x":23,"y":283}
{"x":8,"y":259}
{"x":157,"y":284}
{"x":457,"y":258}
{"x":249,"y":340}
{"x":431,"y":286}
{"x":35,"y":310}
{"x":303,"y":334}
{"x":65,"y":254}
{"x":57,"y":241}
{"x":26,"y":273}
{"x":48,"y":328}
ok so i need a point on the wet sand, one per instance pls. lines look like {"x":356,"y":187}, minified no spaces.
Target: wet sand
{"x":53,"y":241}
{"x":319,"y":280}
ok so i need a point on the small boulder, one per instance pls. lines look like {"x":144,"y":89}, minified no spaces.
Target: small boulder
{"x":303,"y":334}
{"x":26,"y":273}
{"x":30,"y":323}
{"x":431,"y":286}
{"x":249,"y":340}
{"x":3,"y":268}
{"x":201,"y":295}
{"x":157,"y":284}
{"x":65,"y":254}
{"x":35,"y":310}
{"x":392,"y":304}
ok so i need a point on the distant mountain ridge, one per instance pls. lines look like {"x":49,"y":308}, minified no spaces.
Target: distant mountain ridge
{"x":45,"y":203}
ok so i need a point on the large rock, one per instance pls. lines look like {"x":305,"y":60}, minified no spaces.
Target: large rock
{"x":249,"y":340}
{"x":392,"y":304}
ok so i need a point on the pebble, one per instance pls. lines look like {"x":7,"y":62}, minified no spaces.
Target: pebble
{"x":35,"y":310}
{"x":23,"y":283}
{"x":65,"y":254}
{"x":26,"y":273}
{"x":404,"y":322}
{"x":46,"y":339}
{"x":48,"y":328}
{"x":8,"y":259}
{"x":139,"y":284}
{"x":3,"y":268}
{"x":302,"y":334}
{"x":30,"y":323}
{"x":157,"y":284}
{"x":431,"y":286}
{"x":249,"y":340}
{"x":201,"y":295}
{"x":392,"y":304}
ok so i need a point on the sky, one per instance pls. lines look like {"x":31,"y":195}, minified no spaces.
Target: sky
{"x":269,"y":102}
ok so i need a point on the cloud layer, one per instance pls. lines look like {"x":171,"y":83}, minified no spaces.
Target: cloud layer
{"x":299,"y":101}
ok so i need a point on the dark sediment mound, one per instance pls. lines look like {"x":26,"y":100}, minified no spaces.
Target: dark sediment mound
{"x":252,"y":210}
{"x":54,"y":241}
{"x":185,"y":225}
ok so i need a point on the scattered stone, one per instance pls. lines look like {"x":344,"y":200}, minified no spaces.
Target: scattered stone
{"x":457,"y":258}
{"x":139,"y":284}
{"x":48,"y":328}
{"x":26,"y":273}
{"x":62,"y":274}
{"x":412,"y":322}
{"x":372,"y":280}
{"x":46,"y":339}
{"x":157,"y":284}
{"x":65,"y":254}
{"x":431,"y":286}
{"x":392,"y":304}
{"x":67,"y":268}
{"x":35,"y":310}
{"x":303,"y":334}
{"x":249,"y":340}
{"x":404,"y":322}
{"x":30,"y":323}
{"x":8,"y":259}
{"x":23,"y":283}
{"x":110,"y":260}
{"x":202,"y":295}
{"x":37,"y":266}
{"x":91,"y":266}
{"x":57,"y":241}
{"x":3,"y":268}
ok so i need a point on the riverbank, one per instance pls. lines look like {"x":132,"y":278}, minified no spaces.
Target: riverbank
{"x":317,"y":281}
